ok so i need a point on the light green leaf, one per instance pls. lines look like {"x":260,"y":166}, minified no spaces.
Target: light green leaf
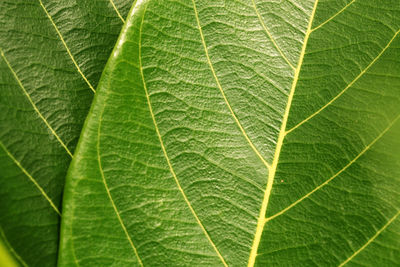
{"x":242,"y":133}
{"x":51,"y":56}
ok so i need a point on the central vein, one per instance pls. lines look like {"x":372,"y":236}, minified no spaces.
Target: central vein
{"x":281,"y":137}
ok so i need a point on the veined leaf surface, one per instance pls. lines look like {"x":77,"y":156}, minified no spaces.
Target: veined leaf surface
{"x":242,"y":133}
{"x":51,"y":56}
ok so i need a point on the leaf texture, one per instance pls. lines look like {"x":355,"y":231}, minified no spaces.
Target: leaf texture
{"x":234,"y":133}
{"x":51,"y":56}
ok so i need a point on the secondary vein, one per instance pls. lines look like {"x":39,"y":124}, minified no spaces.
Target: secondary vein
{"x":371,"y":239}
{"x":334,"y":16}
{"x":165,"y":151}
{"x":270,"y":35}
{"x":348,"y":86}
{"x":281,"y":137}
{"x":31,"y":178}
{"x":223,"y":93}
{"x":110,"y":196}
{"x":117,"y":11}
{"x":66,"y":47}
{"x":336,"y":174}
{"x":33,"y":104}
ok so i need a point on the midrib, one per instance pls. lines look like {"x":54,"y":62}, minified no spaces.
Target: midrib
{"x":281,"y":137}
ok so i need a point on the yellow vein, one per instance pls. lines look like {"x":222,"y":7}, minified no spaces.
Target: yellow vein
{"x":66,"y":47}
{"x":11,"y":249}
{"x":348,"y":86}
{"x":270,"y":35}
{"x":111,"y":199}
{"x":281,"y":137}
{"x":331,"y":18}
{"x":116,"y":10}
{"x":33,"y":104}
{"x":30,"y":178}
{"x":165,"y":151}
{"x":222,"y":91}
{"x":371,"y":239}
{"x":336,"y":175}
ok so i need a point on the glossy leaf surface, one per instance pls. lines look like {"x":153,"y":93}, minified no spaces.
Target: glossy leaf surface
{"x":242,"y":133}
{"x":52,"y":55}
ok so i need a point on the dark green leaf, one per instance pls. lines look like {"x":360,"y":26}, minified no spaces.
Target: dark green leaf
{"x":52,"y":55}
{"x":242,"y":133}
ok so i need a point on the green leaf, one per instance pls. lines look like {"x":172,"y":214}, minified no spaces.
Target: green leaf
{"x":242,"y":133}
{"x":52,"y":54}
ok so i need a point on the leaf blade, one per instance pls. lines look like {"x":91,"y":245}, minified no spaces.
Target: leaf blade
{"x":178,"y":105}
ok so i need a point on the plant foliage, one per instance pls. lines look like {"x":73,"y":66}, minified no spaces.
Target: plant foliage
{"x":234,"y":133}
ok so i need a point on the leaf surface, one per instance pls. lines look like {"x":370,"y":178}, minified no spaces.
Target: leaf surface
{"x":51,"y":56}
{"x":239,"y":133}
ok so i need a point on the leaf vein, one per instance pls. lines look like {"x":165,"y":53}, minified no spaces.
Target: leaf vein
{"x":371,"y":239}
{"x":117,"y":11}
{"x":111,"y":198}
{"x":348,"y":86}
{"x":334,"y":16}
{"x":33,"y":104}
{"x":270,"y":35}
{"x":165,"y":151}
{"x":66,"y":47}
{"x":223,"y":93}
{"x":335,"y":175}
{"x":281,"y":137}
{"x":30,"y":178}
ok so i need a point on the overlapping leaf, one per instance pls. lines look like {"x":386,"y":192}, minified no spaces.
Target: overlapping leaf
{"x":242,"y":133}
{"x":52,"y":55}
